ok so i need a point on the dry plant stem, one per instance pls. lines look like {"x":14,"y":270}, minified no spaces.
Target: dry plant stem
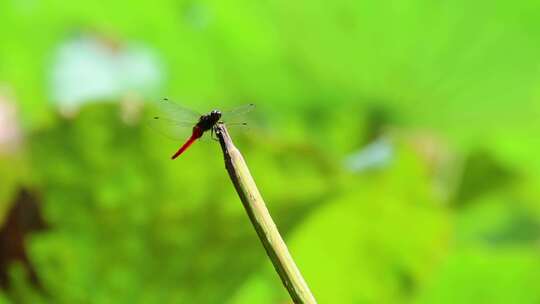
{"x":262,"y":221}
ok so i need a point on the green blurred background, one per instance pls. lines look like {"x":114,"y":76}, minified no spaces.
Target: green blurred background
{"x":395,"y":144}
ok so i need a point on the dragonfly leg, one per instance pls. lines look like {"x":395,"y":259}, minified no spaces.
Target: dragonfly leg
{"x":212,"y":134}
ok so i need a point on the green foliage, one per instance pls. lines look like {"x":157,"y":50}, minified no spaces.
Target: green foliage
{"x":454,"y":86}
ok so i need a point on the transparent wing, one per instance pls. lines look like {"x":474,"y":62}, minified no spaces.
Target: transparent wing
{"x":174,"y":111}
{"x":237,"y":115}
{"x":240,"y":127}
{"x":171,"y":120}
{"x":169,"y":128}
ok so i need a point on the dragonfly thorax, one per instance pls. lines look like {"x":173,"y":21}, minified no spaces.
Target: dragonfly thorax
{"x":207,"y":121}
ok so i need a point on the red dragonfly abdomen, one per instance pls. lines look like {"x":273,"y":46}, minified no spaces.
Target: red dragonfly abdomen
{"x":196,"y":134}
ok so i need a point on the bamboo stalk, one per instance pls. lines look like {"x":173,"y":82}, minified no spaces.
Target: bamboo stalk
{"x":262,"y":221}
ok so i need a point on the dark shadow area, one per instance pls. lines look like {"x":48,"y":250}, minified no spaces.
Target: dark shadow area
{"x":23,"y":218}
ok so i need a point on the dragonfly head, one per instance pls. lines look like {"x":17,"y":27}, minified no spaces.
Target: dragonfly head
{"x":215,"y":114}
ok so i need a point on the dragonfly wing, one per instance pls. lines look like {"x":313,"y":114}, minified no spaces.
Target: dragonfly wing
{"x":174,"y":111}
{"x":171,"y":119}
{"x":239,"y":127}
{"x":172,"y":129}
{"x":237,"y":114}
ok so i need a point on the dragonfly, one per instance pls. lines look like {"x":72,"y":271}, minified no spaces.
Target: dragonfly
{"x":175,"y":121}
